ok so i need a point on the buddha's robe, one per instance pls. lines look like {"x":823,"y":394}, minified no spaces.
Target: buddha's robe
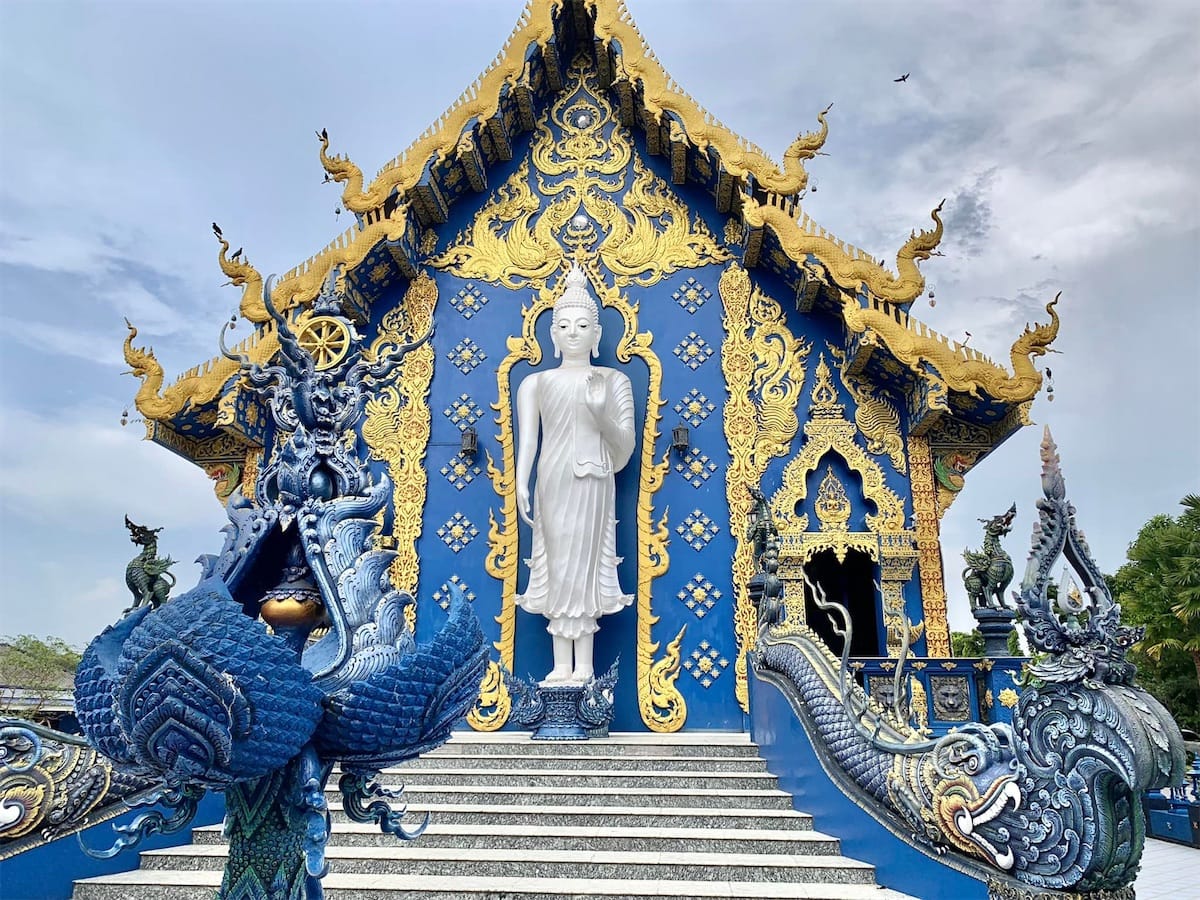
{"x":573,"y":567}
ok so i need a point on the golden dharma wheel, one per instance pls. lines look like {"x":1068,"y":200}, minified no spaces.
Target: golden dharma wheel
{"x":326,"y":339}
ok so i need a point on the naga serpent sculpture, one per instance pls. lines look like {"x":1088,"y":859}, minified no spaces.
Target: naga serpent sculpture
{"x":1050,"y":802}
{"x":199,"y":695}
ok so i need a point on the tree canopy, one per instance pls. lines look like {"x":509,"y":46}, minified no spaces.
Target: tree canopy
{"x":32,"y":671}
{"x":1159,"y":587}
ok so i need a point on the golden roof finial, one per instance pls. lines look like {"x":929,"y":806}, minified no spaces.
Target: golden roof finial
{"x":241,"y":274}
{"x":921,"y":244}
{"x":805,"y":146}
{"x":340,"y":169}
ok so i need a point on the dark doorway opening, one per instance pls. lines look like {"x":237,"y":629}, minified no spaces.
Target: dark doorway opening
{"x":852,"y":584}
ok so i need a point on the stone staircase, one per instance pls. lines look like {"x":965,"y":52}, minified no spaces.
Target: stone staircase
{"x":691,"y":815}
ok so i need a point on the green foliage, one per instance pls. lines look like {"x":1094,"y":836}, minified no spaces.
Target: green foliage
{"x":1160,"y":588}
{"x":970,"y":644}
{"x":33,"y":671}
{"x":966,"y":643}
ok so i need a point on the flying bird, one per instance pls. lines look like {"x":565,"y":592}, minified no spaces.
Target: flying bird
{"x":903,"y":77}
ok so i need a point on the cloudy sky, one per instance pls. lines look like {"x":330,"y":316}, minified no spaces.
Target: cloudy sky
{"x":1064,"y":137}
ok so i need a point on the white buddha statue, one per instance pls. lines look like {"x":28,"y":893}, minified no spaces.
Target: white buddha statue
{"x":584,"y":415}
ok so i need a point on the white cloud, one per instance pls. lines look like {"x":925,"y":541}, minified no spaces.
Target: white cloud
{"x":1084,"y":117}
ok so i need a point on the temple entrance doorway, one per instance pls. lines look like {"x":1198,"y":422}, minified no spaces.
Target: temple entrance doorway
{"x":852,"y":584}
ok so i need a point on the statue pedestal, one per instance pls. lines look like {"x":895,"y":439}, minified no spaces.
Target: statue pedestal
{"x":995,"y":625}
{"x":561,"y":720}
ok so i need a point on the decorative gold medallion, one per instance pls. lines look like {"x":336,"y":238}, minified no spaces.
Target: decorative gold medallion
{"x":326,"y":339}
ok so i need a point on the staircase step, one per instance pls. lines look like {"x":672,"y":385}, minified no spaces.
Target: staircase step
{"x":412,"y":858}
{"x":611,"y":761}
{"x":545,"y":837}
{"x":577,"y":779}
{"x":600,"y":816}
{"x":419,"y":795}
{"x":199,"y":885}
{"x":699,"y":743}
{"x":630,"y":817}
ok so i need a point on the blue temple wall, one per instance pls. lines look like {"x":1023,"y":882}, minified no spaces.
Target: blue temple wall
{"x":49,"y":872}
{"x":683,"y":311}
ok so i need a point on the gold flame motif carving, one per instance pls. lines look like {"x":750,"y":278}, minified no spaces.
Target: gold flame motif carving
{"x":763,"y":366}
{"x":397,"y":424}
{"x":649,"y":234}
{"x":876,"y":418}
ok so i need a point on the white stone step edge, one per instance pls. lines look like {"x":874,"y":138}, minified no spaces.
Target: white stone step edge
{"x":456,"y":887}
{"x":587,"y":857}
{"x":641,"y":738}
{"x":591,"y":757}
{"x":513,"y":790}
{"x":628,"y":832}
{"x":470,"y":772}
{"x":692,"y":811}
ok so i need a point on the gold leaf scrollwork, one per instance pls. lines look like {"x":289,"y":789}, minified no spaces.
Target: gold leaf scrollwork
{"x":876,"y":418}
{"x":492,"y":708}
{"x":763,"y":366}
{"x":397,"y":424}
{"x":827,"y":430}
{"x":515,"y":238}
{"x":662,"y":706}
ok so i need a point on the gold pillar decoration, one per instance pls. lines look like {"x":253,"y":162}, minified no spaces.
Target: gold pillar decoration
{"x":254,"y":457}
{"x":397,"y":424}
{"x":929,"y":551}
{"x":763,"y":366}
{"x":897,"y":557}
{"x":492,"y":708}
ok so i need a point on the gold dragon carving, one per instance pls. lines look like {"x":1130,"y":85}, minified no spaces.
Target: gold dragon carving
{"x":958,"y":367}
{"x":876,"y":418}
{"x":852,"y":272}
{"x":301,"y":284}
{"x":195,"y":387}
{"x":929,"y":552}
{"x":397,"y":424}
{"x":648,"y":232}
{"x":763,"y":366}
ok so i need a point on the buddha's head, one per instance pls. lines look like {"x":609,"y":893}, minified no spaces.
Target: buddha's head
{"x":576,"y":329}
